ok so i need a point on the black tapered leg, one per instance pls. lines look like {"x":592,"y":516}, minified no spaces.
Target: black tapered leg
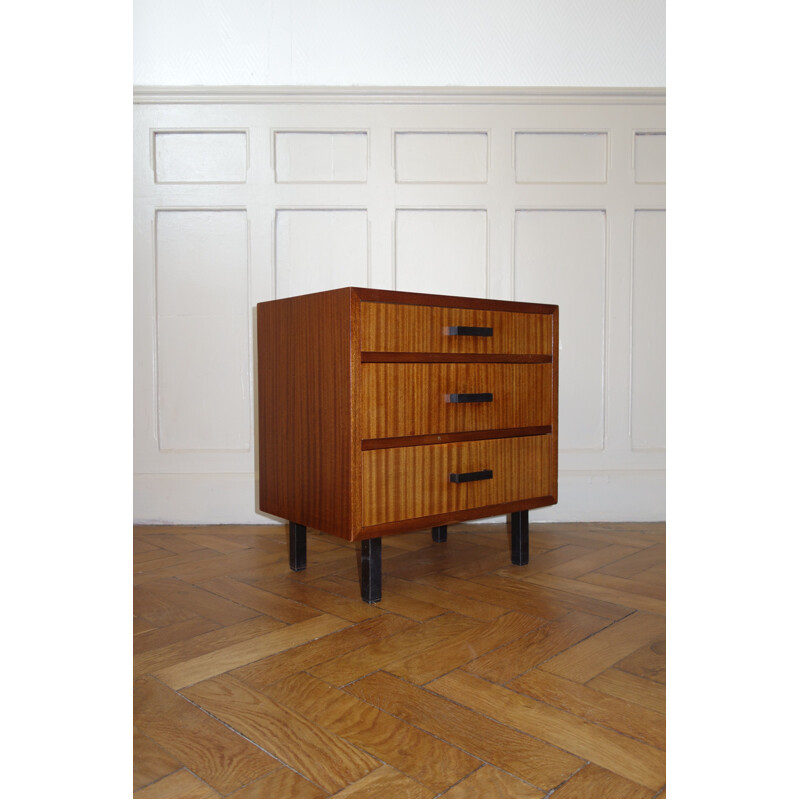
{"x":439,"y":533}
{"x":371,"y":570}
{"x":297,"y":546}
{"x":519,"y":537}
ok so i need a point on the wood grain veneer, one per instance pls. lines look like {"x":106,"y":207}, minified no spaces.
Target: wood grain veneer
{"x":460,"y":436}
{"x":421,"y":329}
{"x":355,"y":436}
{"x":382,"y":357}
{"x":306,"y":405}
{"x":408,"y":482}
{"x":412,"y":399}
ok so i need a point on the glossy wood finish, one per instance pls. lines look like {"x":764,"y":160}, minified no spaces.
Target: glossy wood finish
{"x":409,"y":482}
{"x":454,"y":358}
{"x":422,"y":329}
{"x":327,"y":400}
{"x":461,"y":436}
{"x":449,"y":517}
{"x":450,"y":301}
{"x":306,"y":408}
{"x":470,"y":678}
{"x":413,"y":399}
{"x":458,"y":422}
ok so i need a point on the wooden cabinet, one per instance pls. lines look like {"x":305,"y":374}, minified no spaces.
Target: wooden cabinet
{"x":382,"y":412}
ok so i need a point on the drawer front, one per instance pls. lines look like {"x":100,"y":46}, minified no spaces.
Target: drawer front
{"x":389,"y":327}
{"x":417,"y":399}
{"x":408,"y":482}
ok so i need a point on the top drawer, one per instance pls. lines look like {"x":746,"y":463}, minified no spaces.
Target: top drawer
{"x":396,"y":328}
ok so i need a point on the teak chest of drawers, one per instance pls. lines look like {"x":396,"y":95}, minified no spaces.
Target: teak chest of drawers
{"x":382,"y":412}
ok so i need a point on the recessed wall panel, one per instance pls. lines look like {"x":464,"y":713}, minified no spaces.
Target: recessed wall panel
{"x":200,"y":157}
{"x":650,"y":157}
{"x":552,"y":157}
{"x":441,"y":157}
{"x":203,"y":388}
{"x":648,"y":349}
{"x":320,"y":156}
{"x":320,"y":249}
{"x":438,"y":182}
{"x":441,"y":251}
{"x":559,"y":257}
{"x":203,"y":383}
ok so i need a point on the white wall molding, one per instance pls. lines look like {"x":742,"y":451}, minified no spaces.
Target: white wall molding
{"x":398,"y":94}
{"x":544,"y":201}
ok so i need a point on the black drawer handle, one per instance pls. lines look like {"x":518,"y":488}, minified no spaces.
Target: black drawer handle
{"x":466,"y":330}
{"x":466,"y":477}
{"x":484,"y":397}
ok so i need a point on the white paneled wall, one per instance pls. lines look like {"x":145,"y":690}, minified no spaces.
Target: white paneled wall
{"x":560,"y":257}
{"x":247,"y":195}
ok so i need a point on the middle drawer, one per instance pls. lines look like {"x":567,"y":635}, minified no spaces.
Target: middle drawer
{"x":401,"y":399}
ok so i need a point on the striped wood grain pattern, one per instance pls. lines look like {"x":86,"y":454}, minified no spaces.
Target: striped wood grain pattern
{"x":305,"y":415}
{"x":409,"y":482}
{"x":411,"y":399}
{"x":453,"y":358}
{"x":390,"y":327}
{"x":469,"y":679}
{"x":316,"y":419}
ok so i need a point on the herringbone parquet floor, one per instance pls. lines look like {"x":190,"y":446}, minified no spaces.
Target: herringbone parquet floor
{"x":471,"y":678}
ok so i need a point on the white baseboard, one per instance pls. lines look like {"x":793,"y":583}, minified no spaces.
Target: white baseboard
{"x":195,"y":499}
{"x":608,"y":496}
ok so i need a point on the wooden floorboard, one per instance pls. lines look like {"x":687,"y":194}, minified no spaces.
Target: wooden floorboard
{"x":471,"y":678}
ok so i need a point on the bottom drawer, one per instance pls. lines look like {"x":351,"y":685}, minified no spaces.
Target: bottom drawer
{"x":409,"y":482}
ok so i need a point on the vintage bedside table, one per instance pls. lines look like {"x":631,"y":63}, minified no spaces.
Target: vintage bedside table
{"x":383,"y":412}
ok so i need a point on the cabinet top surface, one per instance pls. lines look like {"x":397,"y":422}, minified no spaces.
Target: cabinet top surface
{"x":422,"y":299}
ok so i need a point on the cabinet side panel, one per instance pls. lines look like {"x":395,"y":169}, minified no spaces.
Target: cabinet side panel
{"x":305,"y":410}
